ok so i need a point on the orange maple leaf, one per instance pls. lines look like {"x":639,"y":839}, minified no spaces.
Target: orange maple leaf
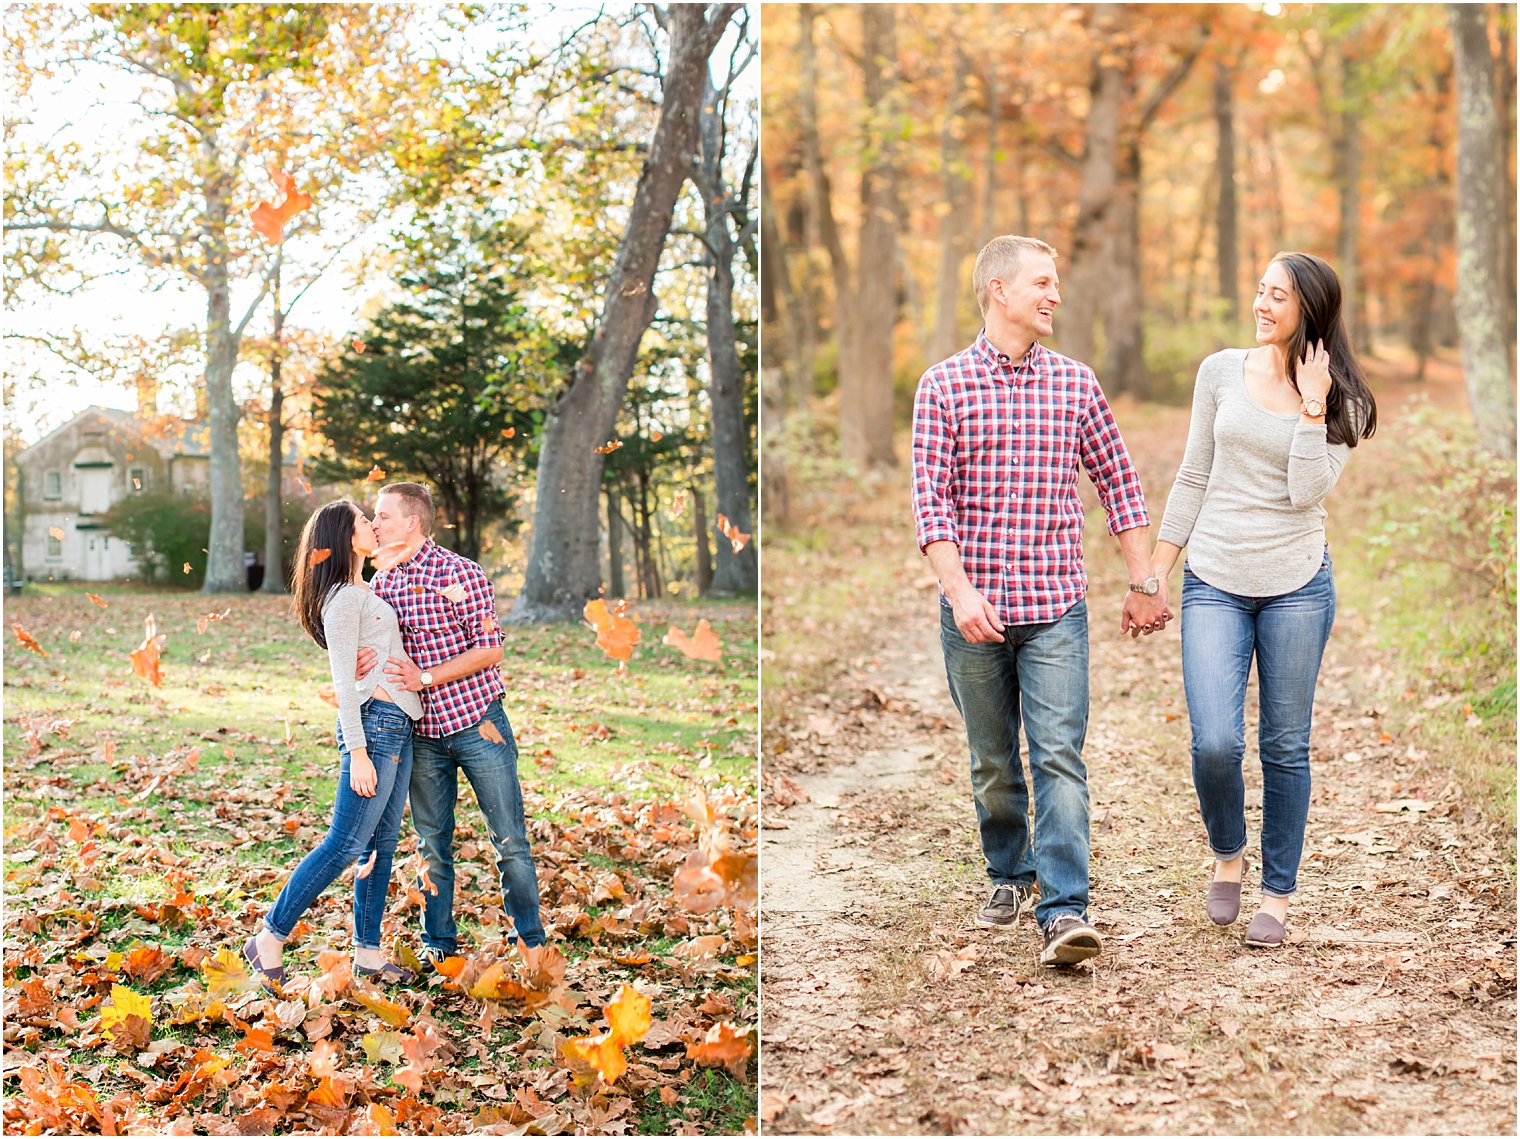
{"x":187,"y":567}
{"x":489,"y":731}
{"x":145,"y":658}
{"x":328,"y":695}
{"x":628,"y":1021}
{"x":616,"y":632}
{"x":56,"y":532}
{"x":723,"y":1045}
{"x":389,"y":555}
{"x":96,"y":599}
{"x":29,"y":642}
{"x":508,"y":432}
{"x":701,"y":645}
{"x":678,"y":505}
{"x":612,"y":445}
{"x":628,"y":1016}
{"x":317,"y":557}
{"x":733,"y":533}
{"x":375,"y":475}
{"x":203,"y":622}
{"x":270,"y":219}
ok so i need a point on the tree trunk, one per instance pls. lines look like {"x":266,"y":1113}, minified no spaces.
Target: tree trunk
{"x":1347,"y":175}
{"x":1122,"y":304}
{"x":944,"y":339}
{"x":736,"y":573}
{"x":704,"y":551}
{"x":865,"y":300}
{"x":784,"y":347}
{"x":225,"y":571}
{"x":1091,"y":250}
{"x":1224,"y":173}
{"x":564,"y":569}
{"x":1480,"y":311}
{"x":1505,"y":100}
{"x":615,"y":586}
{"x":274,"y":489}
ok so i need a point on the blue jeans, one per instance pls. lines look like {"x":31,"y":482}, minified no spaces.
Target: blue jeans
{"x":359,"y":825}
{"x":491,"y":769}
{"x":1286,"y":634}
{"x":1037,"y":674}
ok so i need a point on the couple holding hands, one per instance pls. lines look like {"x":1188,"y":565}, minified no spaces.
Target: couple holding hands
{"x":999,"y":432}
{"x":407,"y":728}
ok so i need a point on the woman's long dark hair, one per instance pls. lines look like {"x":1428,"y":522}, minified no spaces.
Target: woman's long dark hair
{"x":331,"y":528}
{"x":1350,"y":410}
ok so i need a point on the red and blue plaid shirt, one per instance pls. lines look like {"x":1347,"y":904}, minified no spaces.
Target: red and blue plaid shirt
{"x":996,"y":444}
{"x":435,"y":629}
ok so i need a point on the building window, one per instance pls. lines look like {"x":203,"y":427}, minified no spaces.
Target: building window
{"x":52,"y":485}
{"x":139,"y":477}
{"x":54,"y":549}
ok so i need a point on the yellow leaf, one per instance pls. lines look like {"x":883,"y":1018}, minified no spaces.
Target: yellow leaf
{"x":628,"y":1016}
{"x":227,"y":974}
{"x":124,"y":1003}
{"x":393,"y":1014}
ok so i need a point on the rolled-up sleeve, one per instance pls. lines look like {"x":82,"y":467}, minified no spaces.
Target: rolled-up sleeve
{"x":476,"y":614}
{"x":1110,"y":468}
{"x":933,"y":448}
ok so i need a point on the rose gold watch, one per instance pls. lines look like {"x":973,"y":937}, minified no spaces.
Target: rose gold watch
{"x":1313,"y":407}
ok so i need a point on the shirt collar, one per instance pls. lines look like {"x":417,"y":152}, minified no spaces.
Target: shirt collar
{"x":1001,"y":364}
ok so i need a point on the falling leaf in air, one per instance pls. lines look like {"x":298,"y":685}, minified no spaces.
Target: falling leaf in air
{"x":304,"y":485}
{"x":187,"y":567}
{"x":732,"y":533}
{"x":360,"y":346}
{"x":488,"y":624}
{"x":375,"y":475}
{"x":328,"y":695}
{"x":489,"y":731}
{"x":56,"y":532}
{"x":454,"y":592}
{"x":202,"y":623}
{"x":227,"y":974}
{"x":28,"y":641}
{"x":269,"y":218}
{"x":389,"y":555}
{"x":317,"y":557}
{"x":701,"y":645}
{"x":678,"y":504}
{"x":75,"y":635}
{"x":628,"y":1019}
{"x":656,"y":436}
{"x":612,"y":445}
{"x":722,"y":1045}
{"x":95,"y":599}
{"x":145,"y":657}
{"x":616,"y":632}
{"x":509,"y":432}
{"x":395,"y":1015}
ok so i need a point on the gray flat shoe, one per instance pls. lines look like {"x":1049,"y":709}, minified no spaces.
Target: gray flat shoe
{"x":1265,"y":932}
{"x":1223,"y":900}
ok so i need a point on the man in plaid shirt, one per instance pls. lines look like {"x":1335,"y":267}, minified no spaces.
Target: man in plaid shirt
{"x":999,"y":431}
{"x":447,"y":609}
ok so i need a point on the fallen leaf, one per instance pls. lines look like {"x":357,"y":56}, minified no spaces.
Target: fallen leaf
{"x":95,"y":598}
{"x":145,"y":658}
{"x":722,"y":1045}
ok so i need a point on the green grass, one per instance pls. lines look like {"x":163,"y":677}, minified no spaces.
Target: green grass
{"x":1428,"y":555}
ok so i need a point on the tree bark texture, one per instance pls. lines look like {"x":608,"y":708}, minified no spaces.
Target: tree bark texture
{"x":225,"y":571}
{"x":1480,"y":307}
{"x":1347,"y":177}
{"x":1224,"y":172}
{"x":274,"y":489}
{"x":563,"y":567}
{"x":865,"y":297}
{"x":735,"y":573}
{"x":950,"y":291}
{"x":701,"y":527}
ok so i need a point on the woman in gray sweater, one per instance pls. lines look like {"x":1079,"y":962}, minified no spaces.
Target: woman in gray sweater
{"x":1272,"y":427}
{"x":343,"y":615}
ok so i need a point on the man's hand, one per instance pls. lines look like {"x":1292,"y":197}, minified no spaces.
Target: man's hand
{"x":403,"y":673}
{"x":368,"y":658}
{"x":1144,"y":614}
{"x":975,"y":617}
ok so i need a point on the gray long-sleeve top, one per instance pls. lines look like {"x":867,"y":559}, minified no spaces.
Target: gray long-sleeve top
{"x":354,"y":618}
{"x":1246,"y":502}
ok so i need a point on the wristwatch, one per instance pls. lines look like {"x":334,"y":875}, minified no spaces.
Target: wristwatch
{"x":1150,"y":586}
{"x":426,"y":677}
{"x":1313,"y":407}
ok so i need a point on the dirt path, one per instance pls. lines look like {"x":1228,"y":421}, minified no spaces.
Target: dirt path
{"x":886,"y":1011}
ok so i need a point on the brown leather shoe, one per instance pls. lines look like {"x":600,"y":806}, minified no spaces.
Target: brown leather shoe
{"x":1265,"y":932}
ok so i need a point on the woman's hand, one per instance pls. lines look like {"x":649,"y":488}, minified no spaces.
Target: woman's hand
{"x":1313,"y":372}
{"x":361,"y":773}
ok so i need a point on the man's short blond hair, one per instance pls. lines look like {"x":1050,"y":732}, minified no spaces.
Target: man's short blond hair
{"x":415,"y":501}
{"x":998,"y":260}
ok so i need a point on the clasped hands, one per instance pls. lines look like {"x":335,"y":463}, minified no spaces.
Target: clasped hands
{"x":979,"y":623}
